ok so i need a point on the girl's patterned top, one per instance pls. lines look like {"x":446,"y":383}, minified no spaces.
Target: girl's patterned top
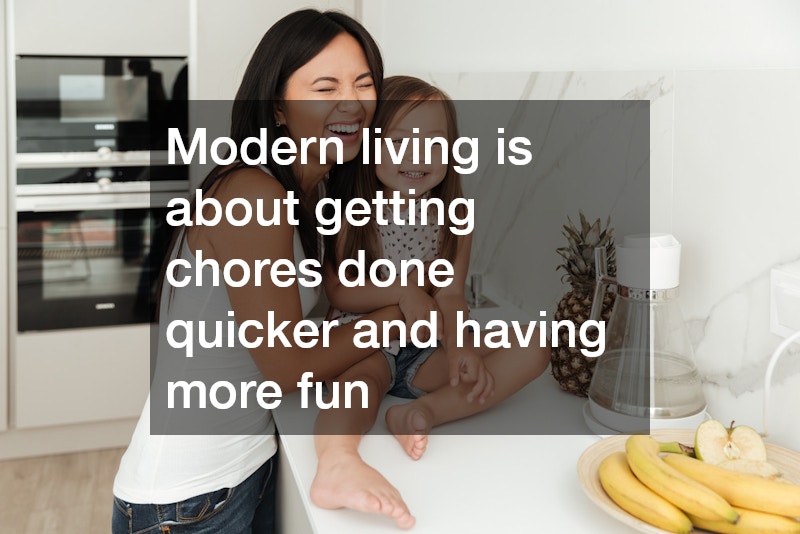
{"x":401,"y":242}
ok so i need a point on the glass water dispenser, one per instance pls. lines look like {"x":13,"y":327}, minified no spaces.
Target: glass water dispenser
{"x":646,"y":378}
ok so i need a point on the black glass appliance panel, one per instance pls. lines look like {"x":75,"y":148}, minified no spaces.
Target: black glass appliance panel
{"x":82,"y":104}
{"x":87,"y":268}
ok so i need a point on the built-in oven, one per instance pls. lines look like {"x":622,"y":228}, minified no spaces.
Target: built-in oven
{"x":92,"y":186}
{"x":88,"y":112}
{"x":110,"y":104}
{"x":89,"y":260}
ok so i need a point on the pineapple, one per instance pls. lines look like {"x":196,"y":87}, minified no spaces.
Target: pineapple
{"x":571,"y":369}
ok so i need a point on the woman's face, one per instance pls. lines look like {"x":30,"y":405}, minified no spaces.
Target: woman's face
{"x":430,"y":118}
{"x":333,"y":95}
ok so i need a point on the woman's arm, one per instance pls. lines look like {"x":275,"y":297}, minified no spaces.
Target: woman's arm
{"x":253,"y":242}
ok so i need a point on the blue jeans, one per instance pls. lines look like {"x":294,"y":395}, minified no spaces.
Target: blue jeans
{"x":243,"y":509}
{"x":404,"y":367}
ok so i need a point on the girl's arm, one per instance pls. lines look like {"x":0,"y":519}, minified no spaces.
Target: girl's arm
{"x":464,"y":364}
{"x":368,"y":297}
{"x":253,"y":242}
{"x":414,"y":301}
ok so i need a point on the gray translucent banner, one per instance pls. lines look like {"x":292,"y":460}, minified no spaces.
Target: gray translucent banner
{"x":589,"y":157}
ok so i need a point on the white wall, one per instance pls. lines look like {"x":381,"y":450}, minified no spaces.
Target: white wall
{"x":567,"y":35}
{"x":723,"y":80}
{"x":226,"y":34}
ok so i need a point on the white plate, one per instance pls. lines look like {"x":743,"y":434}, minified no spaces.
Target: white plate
{"x":786,"y":460}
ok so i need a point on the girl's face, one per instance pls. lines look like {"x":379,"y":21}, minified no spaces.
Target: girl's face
{"x":420,"y":177}
{"x":333,"y":95}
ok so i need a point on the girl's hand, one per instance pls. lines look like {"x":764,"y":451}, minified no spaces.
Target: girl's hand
{"x":417,"y":305}
{"x":468,"y":367}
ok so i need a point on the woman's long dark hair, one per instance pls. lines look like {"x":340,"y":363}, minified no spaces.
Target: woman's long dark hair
{"x":288,"y":45}
{"x":291,"y":43}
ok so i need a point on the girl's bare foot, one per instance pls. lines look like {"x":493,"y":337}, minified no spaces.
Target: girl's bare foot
{"x":410,"y":425}
{"x":344,"y":480}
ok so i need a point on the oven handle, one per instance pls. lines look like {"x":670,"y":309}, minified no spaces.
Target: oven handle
{"x":103,"y":157}
{"x":52,"y":203}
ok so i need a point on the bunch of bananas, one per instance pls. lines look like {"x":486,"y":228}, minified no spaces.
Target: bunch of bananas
{"x":677,"y":492}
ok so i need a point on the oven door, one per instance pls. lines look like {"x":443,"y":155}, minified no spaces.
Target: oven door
{"x":90,"y":104}
{"x":89,"y":260}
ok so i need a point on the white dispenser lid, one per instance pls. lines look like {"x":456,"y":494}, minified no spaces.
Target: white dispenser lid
{"x":649,"y":261}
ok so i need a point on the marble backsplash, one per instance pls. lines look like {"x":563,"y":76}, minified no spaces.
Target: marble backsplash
{"x":724,"y":179}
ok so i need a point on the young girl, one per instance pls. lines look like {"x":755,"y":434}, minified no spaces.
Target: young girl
{"x":446,"y":382}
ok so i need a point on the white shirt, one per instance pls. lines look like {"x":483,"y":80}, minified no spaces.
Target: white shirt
{"x":163,"y":469}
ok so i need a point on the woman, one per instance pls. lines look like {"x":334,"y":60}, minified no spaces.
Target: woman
{"x":313,"y":75}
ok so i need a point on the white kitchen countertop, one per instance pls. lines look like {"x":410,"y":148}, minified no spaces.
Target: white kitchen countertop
{"x":468,"y":481}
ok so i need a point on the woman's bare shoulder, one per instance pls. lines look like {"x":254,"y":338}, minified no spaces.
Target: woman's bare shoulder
{"x":227,"y":240}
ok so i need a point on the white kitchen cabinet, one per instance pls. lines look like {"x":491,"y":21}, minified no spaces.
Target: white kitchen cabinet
{"x":60,"y":381}
{"x":76,"y":376}
{"x":4,"y":184}
{"x":291,"y":505}
{"x":4,"y":167}
{"x":101,"y":28}
{"x":4,"y":330}
{"x":67,"y":377}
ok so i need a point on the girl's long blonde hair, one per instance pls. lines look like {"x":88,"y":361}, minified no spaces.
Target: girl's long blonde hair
{"x":399,"y":96}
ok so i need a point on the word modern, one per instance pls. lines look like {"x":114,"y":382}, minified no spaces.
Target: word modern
{"x":283,"y":150}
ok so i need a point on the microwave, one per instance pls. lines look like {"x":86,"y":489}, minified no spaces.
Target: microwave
{"x":97,"y":112}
